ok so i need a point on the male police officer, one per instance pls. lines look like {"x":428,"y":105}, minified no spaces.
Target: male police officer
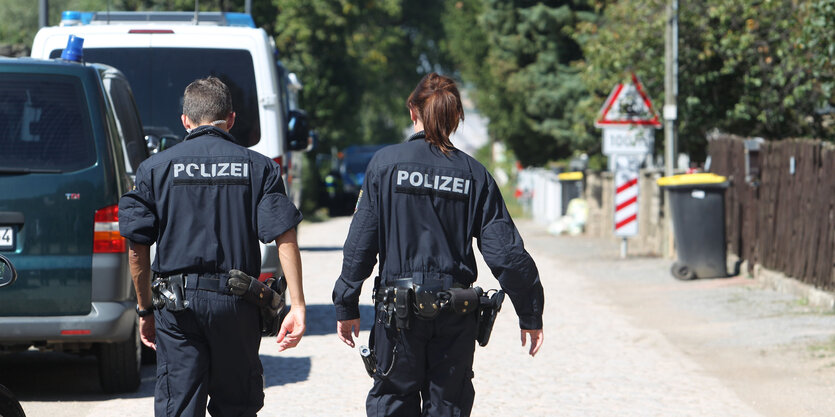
{"x":206,"y":202}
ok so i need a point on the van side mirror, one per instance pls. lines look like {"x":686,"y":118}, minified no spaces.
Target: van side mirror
{"x":167,"y":142}
{"x":8,"y":274}
{"x":298,"y":129}
{"x":152,"y":142}
{"x":157,"y":144}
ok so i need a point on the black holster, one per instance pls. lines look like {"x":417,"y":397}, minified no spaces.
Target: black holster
{"x":169,"y":292}
{"x":271,"y":318}
{"x":488,"y":308}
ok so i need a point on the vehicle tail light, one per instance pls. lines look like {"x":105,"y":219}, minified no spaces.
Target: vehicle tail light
{"x":149,"y":31}
{"x":265,"y":275}
{"x":280,"y":161}
{"x":106,"y":238}
{"x":75,"y":332}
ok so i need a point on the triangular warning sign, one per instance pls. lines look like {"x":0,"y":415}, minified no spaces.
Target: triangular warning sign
{"x":627,"y":105}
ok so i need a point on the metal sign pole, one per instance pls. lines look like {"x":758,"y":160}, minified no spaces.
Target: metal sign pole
{"x":670,"y":112}
{"x":43,"y":13}
{"x":623,"y":247}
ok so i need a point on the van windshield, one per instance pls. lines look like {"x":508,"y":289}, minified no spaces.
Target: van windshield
{"x":158,"y":77}
{"x":44,"y":124}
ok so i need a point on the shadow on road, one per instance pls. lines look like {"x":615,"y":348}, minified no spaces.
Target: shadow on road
{"x":321,"y":319}
{"x":284,"y":370}
{"x":50,"y":376}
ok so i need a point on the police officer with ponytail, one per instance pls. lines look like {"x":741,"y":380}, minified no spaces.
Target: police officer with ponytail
{"x":422,"y":204}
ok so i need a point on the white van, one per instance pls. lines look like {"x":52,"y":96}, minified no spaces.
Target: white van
{"x":160,"y":53}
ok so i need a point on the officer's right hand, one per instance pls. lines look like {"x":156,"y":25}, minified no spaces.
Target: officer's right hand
{"x":292,"y":328}
{"x":344,"y":328}
{"x":147,"y":331}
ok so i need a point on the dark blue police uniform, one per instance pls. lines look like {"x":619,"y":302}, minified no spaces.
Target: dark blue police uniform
{"x":206,"y":203}
{"x":420,"y":210}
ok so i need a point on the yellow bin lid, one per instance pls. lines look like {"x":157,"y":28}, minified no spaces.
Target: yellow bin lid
{"x":691,"y":179}
{"x":571,"y":176}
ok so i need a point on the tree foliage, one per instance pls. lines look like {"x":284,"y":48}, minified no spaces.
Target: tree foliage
{"x":518,"y":56}
{"x":744,"y":67}
{"x":539,"y":70}
{"x":359,"y":60}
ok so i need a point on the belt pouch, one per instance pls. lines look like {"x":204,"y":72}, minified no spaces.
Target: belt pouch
{"x":426,"y":299}
{"x":463,"y":300}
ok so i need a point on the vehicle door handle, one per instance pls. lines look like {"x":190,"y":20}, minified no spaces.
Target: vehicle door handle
{"x":11,"y":217}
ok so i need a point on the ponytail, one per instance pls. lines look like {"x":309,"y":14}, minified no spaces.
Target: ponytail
{"x":437,"y":103}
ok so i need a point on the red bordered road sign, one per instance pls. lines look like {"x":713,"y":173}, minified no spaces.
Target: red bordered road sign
{"x":628,"y":105}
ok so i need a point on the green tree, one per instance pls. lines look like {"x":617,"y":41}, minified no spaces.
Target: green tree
{"x":358,"y":61}
{"x":743,"y":67}
{"x":527,"y":86}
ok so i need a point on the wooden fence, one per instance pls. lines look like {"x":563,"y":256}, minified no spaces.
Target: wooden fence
{"x":783,"y":215}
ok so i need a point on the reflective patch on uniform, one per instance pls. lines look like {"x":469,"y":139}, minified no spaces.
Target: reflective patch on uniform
{"x":213,"y":171}
{"x":359,"y":198}
{"x":449,"y":186}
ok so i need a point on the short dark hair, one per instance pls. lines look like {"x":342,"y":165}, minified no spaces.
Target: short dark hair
{"x":207,"y":99}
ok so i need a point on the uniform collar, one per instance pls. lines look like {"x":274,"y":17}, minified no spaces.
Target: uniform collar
{"x":416,"y":136}
{"x":210,"y":130}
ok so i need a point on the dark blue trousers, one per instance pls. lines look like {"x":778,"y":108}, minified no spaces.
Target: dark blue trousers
{"x":432,"y":370}
{"x":209,"y":350}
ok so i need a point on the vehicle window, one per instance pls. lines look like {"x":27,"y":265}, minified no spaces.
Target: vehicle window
{"x":44,"y":123}
{"x":158,"y":77}
{"x":129,"y":124}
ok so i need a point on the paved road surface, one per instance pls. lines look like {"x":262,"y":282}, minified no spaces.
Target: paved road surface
{"x":621,"y":338}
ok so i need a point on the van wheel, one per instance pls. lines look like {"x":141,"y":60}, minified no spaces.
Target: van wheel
{"x":9,"y":406}
{"x":119,"y":364}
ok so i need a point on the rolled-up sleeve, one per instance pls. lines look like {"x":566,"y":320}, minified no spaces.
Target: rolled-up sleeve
{"x":276,"y":214}
{"x":137,"y":217}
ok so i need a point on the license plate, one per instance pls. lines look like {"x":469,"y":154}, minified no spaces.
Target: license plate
{"x":6,"y":237}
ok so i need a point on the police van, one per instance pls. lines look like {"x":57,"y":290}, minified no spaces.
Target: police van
{"x":162,"y":52}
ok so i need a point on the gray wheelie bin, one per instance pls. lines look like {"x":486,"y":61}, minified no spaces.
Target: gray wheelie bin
{"x":697,"y":202}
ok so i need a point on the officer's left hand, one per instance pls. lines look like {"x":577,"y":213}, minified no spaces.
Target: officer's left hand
{"x":537,"y":337}
{"x":292,"y":328}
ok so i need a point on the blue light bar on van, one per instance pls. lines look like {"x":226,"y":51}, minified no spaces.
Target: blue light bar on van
{"x":75,"y":18}
{"x":239,"y":19}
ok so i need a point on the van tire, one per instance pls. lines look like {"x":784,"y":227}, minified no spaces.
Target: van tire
{"x":9,"y":406}
{"x":119,"y":364}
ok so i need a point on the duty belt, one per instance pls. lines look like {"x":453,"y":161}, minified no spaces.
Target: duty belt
{"x":379,"y":294}
{"x":405,"y":299}
{"x":169,"y":291}
{"x":398,"y":304}
{"x":208,"y":282}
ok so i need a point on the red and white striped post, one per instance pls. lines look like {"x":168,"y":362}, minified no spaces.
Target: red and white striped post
{"x":626,"y":198}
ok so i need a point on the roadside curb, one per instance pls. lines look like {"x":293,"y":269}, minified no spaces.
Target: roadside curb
{"x":819,"y":300}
